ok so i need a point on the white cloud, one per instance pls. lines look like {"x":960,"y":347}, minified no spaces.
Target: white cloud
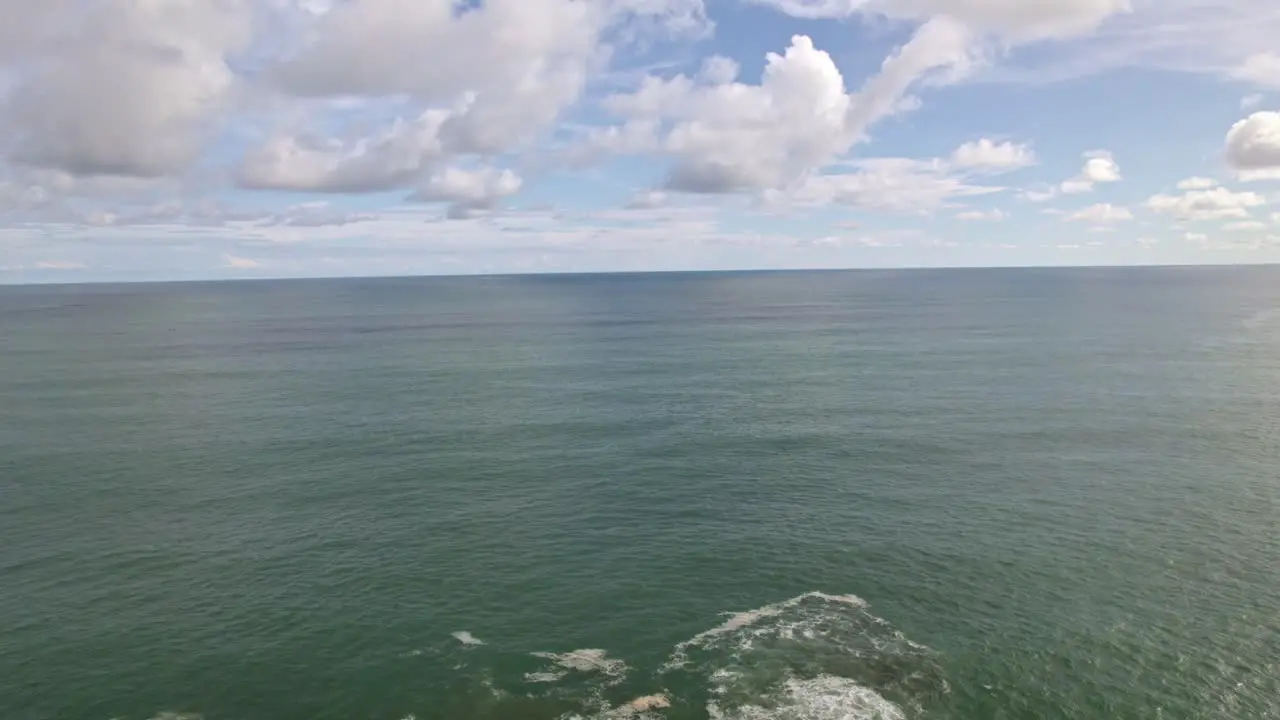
{"x":647,"y":200}
{"x":1214,"y":204}
{"x":392,"y":159}
{"x":239,"y":263}
{"x":1197,"y":183}
{"x":899,"y":185}
{"x":634,"y":137}
{"x":731,"y":136}
{"x":1253,"y":147}
{"x":469,"y":191}
{"x":1249,"y":102}
{"x":1012,"y":19}
{"x":130,"y":88}
{"x":430,"y":50}
{"x":992,"y":215}
{"x":1196,"y":237}
{"x":1244,"y":226}
{"x":493,"y":79}
{"x":985,"y":154}
{"x":1213,"y":37}
{"x":1099,"y":167}
{"x":1101,"y":213}
{"x":426,"y":50}
{"x":1260,"y":69}
{"x":1039,"y":193}
{"x":125,"y":118}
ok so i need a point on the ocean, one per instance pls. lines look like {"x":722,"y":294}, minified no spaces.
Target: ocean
{"x":959,"y":494}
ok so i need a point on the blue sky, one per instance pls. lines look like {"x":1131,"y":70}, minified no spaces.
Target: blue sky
{"x":282,"y":138}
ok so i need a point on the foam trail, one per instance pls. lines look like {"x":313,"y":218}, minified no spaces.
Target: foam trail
{"x":586,"y":660}
{"x":650,"y":702}
{"x":467,"y":638}
{"x":679,"y":658}
{"x":543,"y":677}
{"x":825,"y":697}
{"x":638,"y":709}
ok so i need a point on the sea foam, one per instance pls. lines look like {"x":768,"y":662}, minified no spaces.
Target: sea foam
{"x":825,"y":697}
{"x":467,"y":638}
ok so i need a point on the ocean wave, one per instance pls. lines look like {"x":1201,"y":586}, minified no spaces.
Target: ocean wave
{"x":815,"y":656}
{"x":811,"y":657}
{"x":825,"y":697}
{"x":467,"y":638}
{"x":745,"y":619}
{"x":588,"y":660}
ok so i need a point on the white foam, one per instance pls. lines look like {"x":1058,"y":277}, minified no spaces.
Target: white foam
{"x":638,"y":709}
{"x":825,"y":697}
{"x":738,"y":621}
{"x":467,"y":638}
{"x":586,"y":660}
{"x":543,"y":677}
{"x":650,"y":702}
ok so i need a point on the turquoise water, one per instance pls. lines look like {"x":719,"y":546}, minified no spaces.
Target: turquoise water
{"x":927,"y":494}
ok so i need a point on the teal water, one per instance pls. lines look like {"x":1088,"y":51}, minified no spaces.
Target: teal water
{"x":928,"y":494}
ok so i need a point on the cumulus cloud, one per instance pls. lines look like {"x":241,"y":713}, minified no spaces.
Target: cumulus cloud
{"x":985,"y":154}
{"x":393,"y":158}
{"x":120,"y":114}
{"x":494,"y":77}
{"x":1260,"y":69}
{"x":1253,"y":147}
{"x":1197,"y":183}
{"x":426,"y":50}
{"x":1099,"y":167}
{"x":469,"y":191}
{"x":1102,"y":213}
{"x":131,"y":88}
{"x":725,"y":136}
{"x":430,"y":50}
{"x":1213,"y":204}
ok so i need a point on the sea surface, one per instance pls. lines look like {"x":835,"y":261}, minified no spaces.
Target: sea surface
{"x":977,"y":494}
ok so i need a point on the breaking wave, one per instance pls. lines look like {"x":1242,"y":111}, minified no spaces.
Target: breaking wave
{"x":816,"y":656}
{"x":467,"y":638}
{"x":812,"y":657}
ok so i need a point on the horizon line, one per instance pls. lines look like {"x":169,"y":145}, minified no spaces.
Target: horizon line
{"x":688,"y":271}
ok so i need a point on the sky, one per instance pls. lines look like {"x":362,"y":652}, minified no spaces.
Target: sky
{"x":199,"y":139}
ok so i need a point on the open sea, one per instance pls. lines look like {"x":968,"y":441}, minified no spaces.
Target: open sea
{"x":872,"y":495}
